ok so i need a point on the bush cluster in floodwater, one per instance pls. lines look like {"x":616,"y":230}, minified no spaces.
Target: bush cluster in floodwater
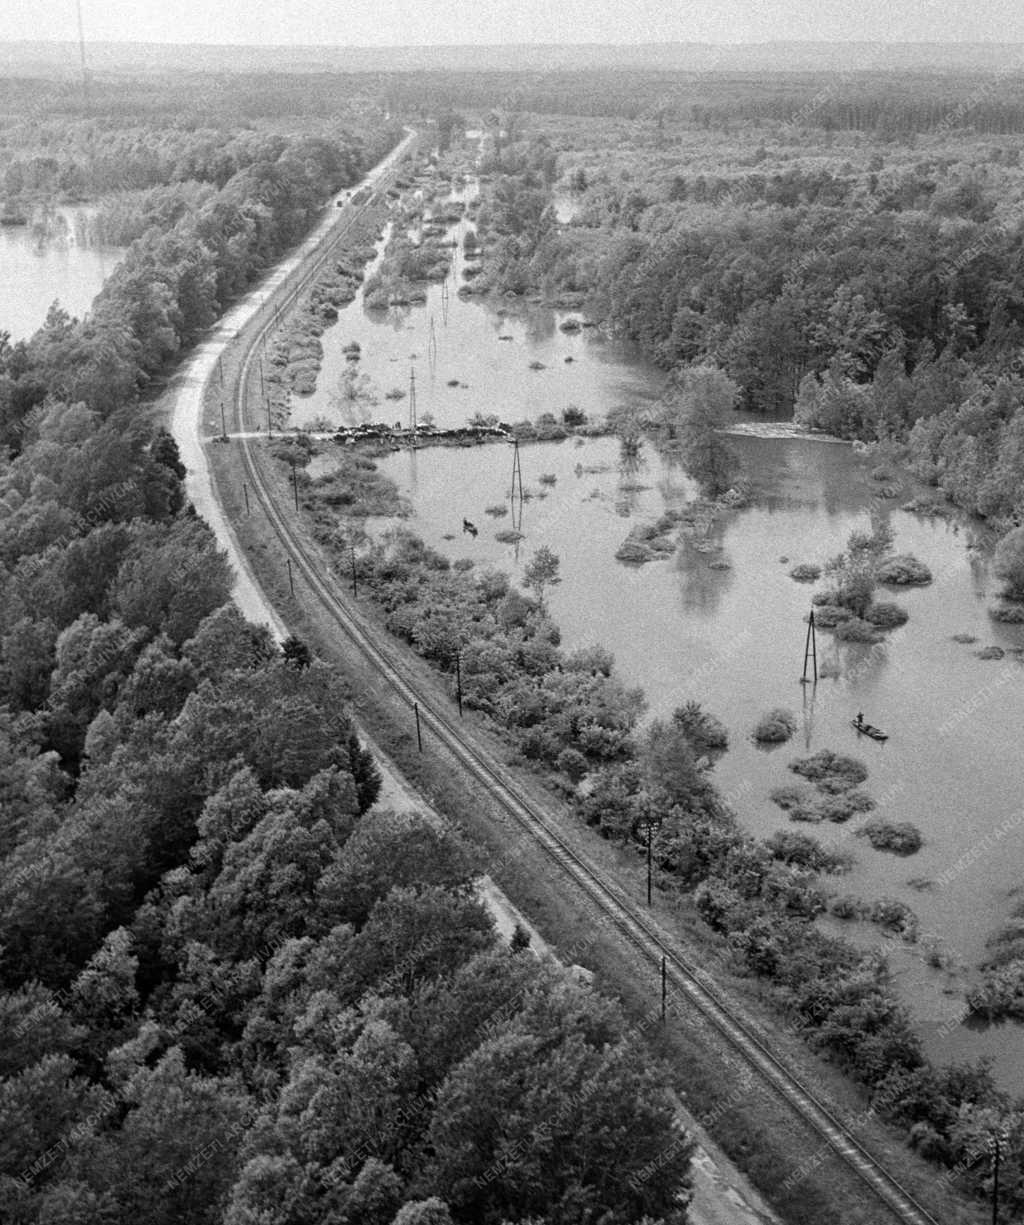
{"x":903,"y":570}
{"x":831,"y":772}
{"x":900,"y":837}
{"x":775,"y":727}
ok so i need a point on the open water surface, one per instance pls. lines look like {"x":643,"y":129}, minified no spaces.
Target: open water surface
{"x":49,"y":260}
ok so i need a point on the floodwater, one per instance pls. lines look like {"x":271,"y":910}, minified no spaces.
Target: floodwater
{"x":734,"y":638}
{"x":50,"y":259}
{"x":723,"y":624}
{"x":461,"y":357}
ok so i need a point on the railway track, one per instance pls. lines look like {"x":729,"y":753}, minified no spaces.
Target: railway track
{"x":617,"y":909}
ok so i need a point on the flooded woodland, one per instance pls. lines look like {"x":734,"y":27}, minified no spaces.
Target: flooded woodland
{"x":720,"y":621}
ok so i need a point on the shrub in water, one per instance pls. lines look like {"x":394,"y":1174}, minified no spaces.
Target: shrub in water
{"x":831,"y":772}
{"x":841,"y":807}
{"x":900,"y":837}
{"x":895,"y":916}
{"x":634,"y":553}
{"x":1008,"y":614}
{"x":806,"y":572}
{"x":704,"y":732}
{"x":903,"y":570}
{"x":887,"y":616}
{"x":791,"y":795}
{"x":853,"y":629}
{"x":846,"y":906}
{"x":807,"y":852}
{"x":811,"y":813}
{"x":798,"y":800}
{"x":828,"y":616}
{"x":775,"y":727}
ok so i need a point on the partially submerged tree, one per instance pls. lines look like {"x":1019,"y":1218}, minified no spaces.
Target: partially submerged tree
{"x":695,"y":409}
{"x":541,"y":572}
{"x":1009,"y":563}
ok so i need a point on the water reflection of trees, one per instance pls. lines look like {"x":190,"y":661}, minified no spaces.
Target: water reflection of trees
{"x":631,"y":467}
{"x":49,"y":228}
{"x":539,"y":323}
{"x":701,"y":586}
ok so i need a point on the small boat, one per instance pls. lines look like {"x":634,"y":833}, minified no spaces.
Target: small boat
{"x":868,"y":730}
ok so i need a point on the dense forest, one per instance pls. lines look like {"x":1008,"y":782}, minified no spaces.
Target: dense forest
{"x":231,"y":988}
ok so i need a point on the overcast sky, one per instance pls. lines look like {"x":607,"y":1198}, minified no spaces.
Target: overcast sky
{"x":419,"y":22}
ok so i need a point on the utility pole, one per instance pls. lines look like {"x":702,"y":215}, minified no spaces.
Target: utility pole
{"x":664,"y":987}
{"x":270,"y":424}
{"x":648,"y":826}
{"x":245,"y":494}
{"x":995,"y":1179}
{"x":650,"y":831}
{"x":355,"y":585}
{"x":295,"y":485}
{"x":419,"y":734}
{"x":517,"y":470}
{"x":223,"y":423}
{"x":458,"y":679}
{"x":291,"y":580}
{"x":810,"y":650}
{"x":413,"y":423}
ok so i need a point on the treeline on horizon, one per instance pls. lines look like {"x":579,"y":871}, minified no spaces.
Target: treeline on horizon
{"x":882,"y":103}
{"x":228,"y":993}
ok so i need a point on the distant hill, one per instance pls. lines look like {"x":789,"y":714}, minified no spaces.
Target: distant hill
{"x":55,"y":58}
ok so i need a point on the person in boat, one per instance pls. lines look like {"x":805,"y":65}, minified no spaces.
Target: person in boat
{"x":860,"y":719}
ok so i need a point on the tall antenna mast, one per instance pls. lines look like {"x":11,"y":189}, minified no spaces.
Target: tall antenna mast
{"x":81,"y":52}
